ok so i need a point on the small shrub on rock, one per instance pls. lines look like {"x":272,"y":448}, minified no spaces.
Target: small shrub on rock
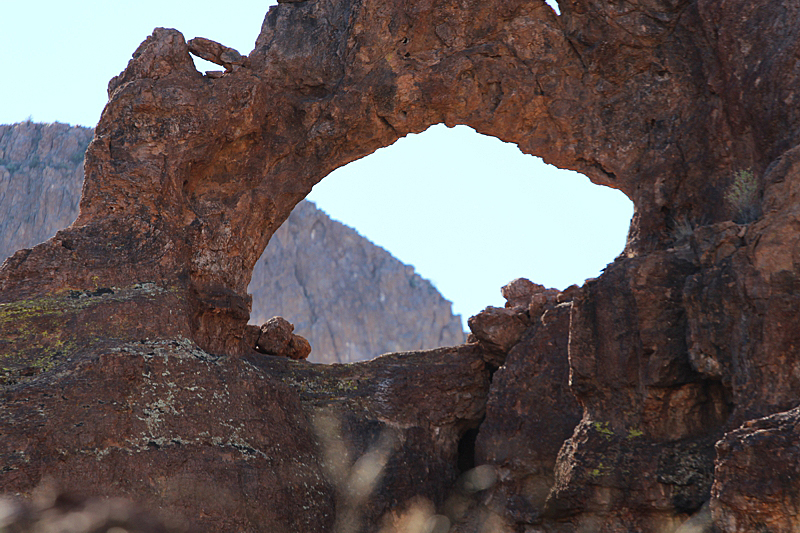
{"x":742,"y":196}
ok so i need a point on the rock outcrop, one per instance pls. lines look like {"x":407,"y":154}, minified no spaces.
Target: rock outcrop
{"x":676,"y":353}
{"x":351,"y":299}
{"x":257,"y":443}
{"x":530,"y":410}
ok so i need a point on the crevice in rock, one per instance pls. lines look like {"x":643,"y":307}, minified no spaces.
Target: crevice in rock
{"x":466,"y":448}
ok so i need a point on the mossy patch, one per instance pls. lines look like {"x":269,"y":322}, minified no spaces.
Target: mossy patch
{"x":38,"y":334}
{"x":603,"y":429}
{"x":322,"y":385}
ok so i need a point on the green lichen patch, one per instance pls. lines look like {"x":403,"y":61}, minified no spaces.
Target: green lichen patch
{"x":601,"y":470}
{"x":603,"y":429}
{"x":322,"y":385}
{"x":32,"y":336}
{"x":38,"y":334}
{"x":634,"y":433}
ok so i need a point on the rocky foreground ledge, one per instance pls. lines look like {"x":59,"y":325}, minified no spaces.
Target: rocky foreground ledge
{"x":659,"y":396}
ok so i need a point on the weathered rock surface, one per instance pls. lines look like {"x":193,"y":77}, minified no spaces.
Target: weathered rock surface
{"x":499,"y":328}
{"x":244,"y":444}
{"x":689,"y":334}
{"x":177,"y":429}
{"x":216,"y":53}
{"x":755,"y":485}
{"x":529,"y":414}
{"x":351,"y":299}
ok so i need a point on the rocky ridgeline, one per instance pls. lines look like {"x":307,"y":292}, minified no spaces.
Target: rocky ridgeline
{"x":351,"y":299}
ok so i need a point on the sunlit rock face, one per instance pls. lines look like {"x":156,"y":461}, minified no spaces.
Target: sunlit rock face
{"x":689,"y":107}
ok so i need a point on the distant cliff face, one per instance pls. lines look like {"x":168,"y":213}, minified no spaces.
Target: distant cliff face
{"x":351,"y":299}
{"x":41,"y":174}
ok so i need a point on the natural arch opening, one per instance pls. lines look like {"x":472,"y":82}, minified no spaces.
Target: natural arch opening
{"x":468,"y":211}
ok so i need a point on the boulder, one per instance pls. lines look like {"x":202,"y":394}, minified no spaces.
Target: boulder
{"x":216,"y":53}
{"x":498,"y":328}
{"x":276,"y":338}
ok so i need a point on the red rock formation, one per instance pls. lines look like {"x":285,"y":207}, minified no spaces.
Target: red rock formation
{"x":213,"y":171}
{"x":244,"y":444}
{"x":755,"y":487}
{"x":687,"y":335}
{"x":529,"y":414}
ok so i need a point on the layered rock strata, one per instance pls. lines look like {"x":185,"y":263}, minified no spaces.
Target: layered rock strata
{"x":350,"y":298}
{"x":687,"y":106}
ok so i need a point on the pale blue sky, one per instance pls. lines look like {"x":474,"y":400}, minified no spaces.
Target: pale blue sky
{"x":469,"y":212}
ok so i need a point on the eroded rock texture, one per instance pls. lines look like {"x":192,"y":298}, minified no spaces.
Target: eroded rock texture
{"x":530,"y":412}
{"x":690,"y":333}
{"x":350,"y":298}
{"x":245,"y":444}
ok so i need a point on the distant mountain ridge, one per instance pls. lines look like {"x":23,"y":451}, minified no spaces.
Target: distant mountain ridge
{"x":351,"y":299}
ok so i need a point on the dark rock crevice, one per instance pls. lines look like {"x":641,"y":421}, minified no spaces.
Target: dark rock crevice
{"x":466,"y":449}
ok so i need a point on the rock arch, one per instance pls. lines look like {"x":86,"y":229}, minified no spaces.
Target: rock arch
{"x":189,"y":175}
{"x":679,"y":341}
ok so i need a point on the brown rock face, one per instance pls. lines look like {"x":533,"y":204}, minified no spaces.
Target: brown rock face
{"x":754,"y":487}
{"x":498,"y":328}
{"x":529,"y":415}
{"x":177,"y":429}
{"x":216,"y":53}
{"x":642,"y":456}
{"x":687,"y":335}
{"x":245,"y":444}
